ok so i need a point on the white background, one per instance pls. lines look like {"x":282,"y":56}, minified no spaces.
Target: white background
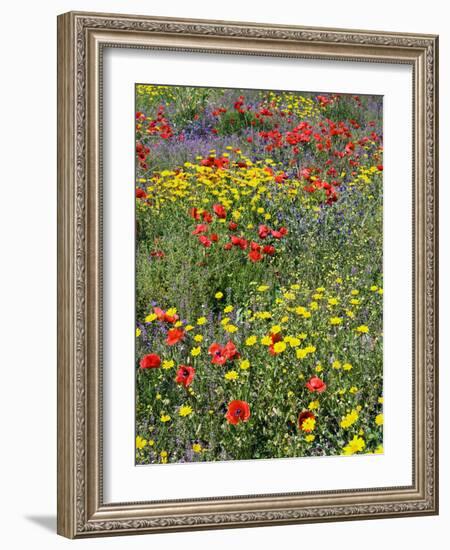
{"x":123,"y":482}
{"x":28,"y":259}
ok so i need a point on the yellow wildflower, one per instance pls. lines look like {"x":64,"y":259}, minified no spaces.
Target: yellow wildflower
{"x":244,"y":364}
{"x":308,"y":424}
{"x":349,"y":419}
{"x":355,"y":445}
{"x":279,"y":347}
{"x":140,"y":442}
{"x":294,"y":342}
{"x":185,"y":410}
{"x":251,"y":340}
{"x":335,"y":321}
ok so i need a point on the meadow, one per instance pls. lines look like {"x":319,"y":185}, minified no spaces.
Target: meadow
{"x":259,"y":274}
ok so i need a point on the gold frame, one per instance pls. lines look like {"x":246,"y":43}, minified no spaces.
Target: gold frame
{"x":81,"y":38}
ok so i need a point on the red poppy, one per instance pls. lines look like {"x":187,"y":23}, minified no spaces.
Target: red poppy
{"x":239,"y":241}
{"x":157,"y":254}
{"x":276,"y":337}
{"x":221,"y":354}
{"x":304,"y":416}
{"x":263,"y":231}
{"x":201,"y":228}
{"x":280,"y":178}
{"x":238,"y":411}
{"x":185,"y":375}
{"x":305,"y":173}
{"x":193,"y":212}
{"x":216,"y":352}
{"x":255,"y":256}
{"x":207,"y":217}
{"x":280,"y":233}
{"x":150,"y":361}
{"x":203,"y":239}
{"x":255,"y":246}
{"x":316,"y":384}
{"x":269,"y":250}
{"x":228,"y":246}
{"x":230,"y":351}
{"x":174,"y":335}
{"x":380,"y":167}
{"x":140,"y":193}
{"x":349,"y":148}
{"x":219,"y":211}
{"x":214,"y":237}
{"x":221,"y":162}
{"x":232,"y":226}
{"x":161,"y":315}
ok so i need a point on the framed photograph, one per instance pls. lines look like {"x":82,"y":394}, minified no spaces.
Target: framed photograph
{"x":247,"y":276}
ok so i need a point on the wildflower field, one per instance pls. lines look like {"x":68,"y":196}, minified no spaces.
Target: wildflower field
{"x":259,"y":283}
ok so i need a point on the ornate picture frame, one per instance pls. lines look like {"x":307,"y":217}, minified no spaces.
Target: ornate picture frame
{"x":82,"y":37}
